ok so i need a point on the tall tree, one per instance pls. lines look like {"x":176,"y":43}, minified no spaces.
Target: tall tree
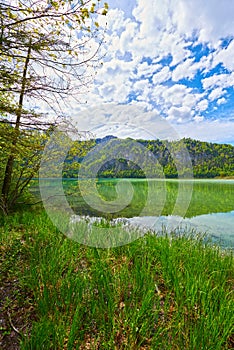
{"x":49,"y":50}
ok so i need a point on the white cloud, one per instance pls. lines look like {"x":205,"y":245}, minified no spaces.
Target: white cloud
{"x":216,"y":93}
{"x":184,"y":70}
{"x":225,"y":56}
{"x":141,"y":84}
{"x":127,"y":37}
{"x":147,"y":69}
{"x":211,"y":20}
{"x":115,"y":20}
{"x":156,"y":94}
{"x":165,"y":25}
{"x":172,"y":43}
{"x":176,"y":94}
{"x":162,"y":76}
{"x":198,"y":119}
{"x":221,"y":101}
{"x":202,"y":105}
{"x":180,"y":114}
{"x":149,"y":51}
{"x":136,"y":122}
{"x":218,"y":80}
{"x":208,"y":130}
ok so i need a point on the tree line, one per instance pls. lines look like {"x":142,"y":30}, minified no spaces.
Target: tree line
{"x":208,"y":160}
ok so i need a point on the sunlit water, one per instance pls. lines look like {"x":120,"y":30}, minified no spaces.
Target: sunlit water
{"x":218,"y":226}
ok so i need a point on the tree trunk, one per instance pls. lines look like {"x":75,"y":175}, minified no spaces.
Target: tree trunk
{"x":10,"y":162}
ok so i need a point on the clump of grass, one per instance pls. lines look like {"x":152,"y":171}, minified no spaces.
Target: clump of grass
{"x":167,"y":292}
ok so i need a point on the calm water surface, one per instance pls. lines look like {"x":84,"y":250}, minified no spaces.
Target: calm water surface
{"x":205,"y":205}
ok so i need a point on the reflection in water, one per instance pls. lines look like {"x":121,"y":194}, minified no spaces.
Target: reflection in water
{"x":153,"y":197}
{"x":210,"y":209}
{"x":152,"y":203}
{"x":218,"y":226}
{"x":158,"y":197}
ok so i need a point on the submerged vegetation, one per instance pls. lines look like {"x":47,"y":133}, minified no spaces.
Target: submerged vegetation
{"x":167,"y":292}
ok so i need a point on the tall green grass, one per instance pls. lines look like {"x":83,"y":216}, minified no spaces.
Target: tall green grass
{"x":167,"y":292}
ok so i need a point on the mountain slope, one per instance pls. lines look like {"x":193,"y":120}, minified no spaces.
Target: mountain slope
{"x":115,"y":158}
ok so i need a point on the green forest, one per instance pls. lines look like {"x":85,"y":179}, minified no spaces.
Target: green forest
{"x":109,"y":157}
{"x":208,"y":160}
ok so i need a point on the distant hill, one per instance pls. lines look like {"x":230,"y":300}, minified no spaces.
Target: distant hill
{"x":208,"y":160}
{"x":105,"y":139}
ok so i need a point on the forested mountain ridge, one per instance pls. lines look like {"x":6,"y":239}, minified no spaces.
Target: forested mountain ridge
{"x":208,"y":160}
{"x":211,"y":159}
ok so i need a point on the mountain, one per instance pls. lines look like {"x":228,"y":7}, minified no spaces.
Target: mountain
{"x":105,"y":139}
{"x":111,"y":157}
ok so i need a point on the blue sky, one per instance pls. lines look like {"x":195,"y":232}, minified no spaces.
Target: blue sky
{"x":168,"y":71}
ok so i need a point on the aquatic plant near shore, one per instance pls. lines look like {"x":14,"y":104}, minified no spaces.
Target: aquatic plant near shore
{"x":159,"y":292}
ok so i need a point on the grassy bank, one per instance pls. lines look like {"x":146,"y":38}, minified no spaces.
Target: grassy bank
{"x":155,"y":293}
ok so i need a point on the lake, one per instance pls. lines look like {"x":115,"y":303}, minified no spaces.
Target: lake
{"x":204,"y":205}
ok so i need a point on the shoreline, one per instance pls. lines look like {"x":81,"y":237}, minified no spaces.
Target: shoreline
{"x":156,"y":291}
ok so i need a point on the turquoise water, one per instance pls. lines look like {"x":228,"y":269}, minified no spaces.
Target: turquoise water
{"x":203,"y":205}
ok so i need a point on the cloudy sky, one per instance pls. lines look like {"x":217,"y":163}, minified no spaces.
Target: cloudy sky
{"x":168,"y":69}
